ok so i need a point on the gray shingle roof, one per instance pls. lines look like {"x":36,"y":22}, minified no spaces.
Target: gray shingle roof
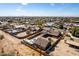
{"x":42,"y":42}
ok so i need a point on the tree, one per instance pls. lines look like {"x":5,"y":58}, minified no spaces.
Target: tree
{"x":75,"y":31}
{"x":39,"y":23}
{"x":67,"y":20}
{"x":61,"y":26}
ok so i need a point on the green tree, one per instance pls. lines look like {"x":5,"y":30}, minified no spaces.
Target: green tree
{"x":61,"y":26}
{"x":39,"y":23}
{"x":75,"y":31}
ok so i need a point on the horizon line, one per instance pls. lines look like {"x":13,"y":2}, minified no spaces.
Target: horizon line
{"x":39,"y":16}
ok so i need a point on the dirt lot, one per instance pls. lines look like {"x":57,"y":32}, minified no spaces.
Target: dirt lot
{"x":63,"y":49}
{"x":21,"y":34}
{"x":10,"y":44}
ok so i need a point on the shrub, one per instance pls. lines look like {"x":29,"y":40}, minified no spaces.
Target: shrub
{"x":75,"y":31}
{"x":1,"y":37}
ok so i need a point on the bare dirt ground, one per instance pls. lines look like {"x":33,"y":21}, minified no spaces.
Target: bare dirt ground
{"x":63,"y":49}
{"x":12,"y":44}
{"x":22,"y":34}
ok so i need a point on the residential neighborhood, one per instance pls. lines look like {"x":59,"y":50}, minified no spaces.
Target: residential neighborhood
{"x":39,"y":36}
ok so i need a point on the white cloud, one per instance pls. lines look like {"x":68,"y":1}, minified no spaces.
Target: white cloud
{"x":20,"y":8}
{"x":24,"y":3}
{"x":52,"y":4}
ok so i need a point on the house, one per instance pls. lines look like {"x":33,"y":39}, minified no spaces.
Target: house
{"x":55,"y":32}
{"x":42,"y":43}
{"x":49,"y":24}
{"x":73,"y":44}
{"x":46,"y":28}
{"x":75,"y":24}
{"x":17,"y":26}
{"x":15,"y":30}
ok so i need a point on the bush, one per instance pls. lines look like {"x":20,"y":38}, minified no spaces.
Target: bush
{"x":75,"y":31}
{"x":61,"y":26}
{"x":1,"y":37}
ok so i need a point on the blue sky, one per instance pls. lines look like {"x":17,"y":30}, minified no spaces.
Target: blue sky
{"x":39,"y":9}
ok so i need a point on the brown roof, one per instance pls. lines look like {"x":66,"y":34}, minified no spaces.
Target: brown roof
{"x":54,"y":32}
{"x":42,"y":42}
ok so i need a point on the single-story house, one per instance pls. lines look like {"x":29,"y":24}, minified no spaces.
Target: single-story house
{"x":55,"y":33}
{"x":42,"y":43}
